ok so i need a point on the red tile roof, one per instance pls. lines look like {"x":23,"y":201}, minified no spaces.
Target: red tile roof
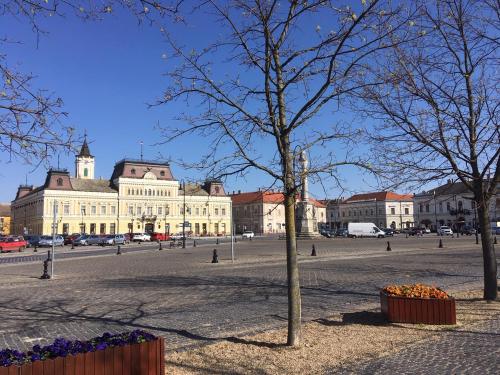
{"x":380,"y":196}
{"x":264,"y":197}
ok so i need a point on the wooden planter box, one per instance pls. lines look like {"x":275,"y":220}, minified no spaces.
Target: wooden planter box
{"x":418,"y":310}
{"x":136,"y":359}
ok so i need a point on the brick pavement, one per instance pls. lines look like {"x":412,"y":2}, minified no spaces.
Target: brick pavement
{"x":474,"y":351}
{"x":183,"y":297}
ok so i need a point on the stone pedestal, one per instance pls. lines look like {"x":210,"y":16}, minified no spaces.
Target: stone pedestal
{"x":305,"y":221}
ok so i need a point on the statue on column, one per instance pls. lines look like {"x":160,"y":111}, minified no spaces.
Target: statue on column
{"x":305,"y":220}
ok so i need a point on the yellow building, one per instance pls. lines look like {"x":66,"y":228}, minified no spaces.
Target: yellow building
{"x":141,"y":196}
{"x":4,"y":219}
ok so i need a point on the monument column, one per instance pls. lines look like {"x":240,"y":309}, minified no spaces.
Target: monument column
{"x":305,"y":219}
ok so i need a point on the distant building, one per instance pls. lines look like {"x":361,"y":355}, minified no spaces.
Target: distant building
{"x":452,"y":205}
{"x":264,"y":212}
{"x":140,"y":196}
{"x":5,"y":219}
{"x":385,"y":209}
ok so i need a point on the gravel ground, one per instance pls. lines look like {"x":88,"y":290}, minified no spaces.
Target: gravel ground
{"x":339,"y":342}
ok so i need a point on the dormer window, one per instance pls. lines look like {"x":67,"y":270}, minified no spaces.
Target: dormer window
{"x":217,"y":190}
{"x":162,"y":173}
{"x":59,"y":181}
{"x":132,"y":171}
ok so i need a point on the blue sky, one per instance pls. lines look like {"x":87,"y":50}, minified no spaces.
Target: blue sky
{"x":106,"y":72}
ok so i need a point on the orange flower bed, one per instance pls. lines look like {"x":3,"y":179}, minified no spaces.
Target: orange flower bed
{"x":415,"y":291}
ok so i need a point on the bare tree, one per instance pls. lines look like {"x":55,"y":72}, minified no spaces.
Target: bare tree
{"x":32,"y":120}
{"x":256,"y":92}
{"x":439,"y":107}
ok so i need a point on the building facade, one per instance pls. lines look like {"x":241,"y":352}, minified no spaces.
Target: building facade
{"x":264,"y":212}
{"x":452,"y":205}
{"x":385,"y":209}
{"x":141,"y":196}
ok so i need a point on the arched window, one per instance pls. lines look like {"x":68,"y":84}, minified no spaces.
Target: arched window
{"x":132,"y":171}
{"x":149,"y":192}
{"x":460,"y":205}
{"x":85,"y":172}
{"x":154,"y":192}
{"x":162,"y":173}
{"x":59,"y":181}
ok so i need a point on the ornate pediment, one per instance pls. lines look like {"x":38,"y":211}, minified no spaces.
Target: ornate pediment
{"x":149,"y":176}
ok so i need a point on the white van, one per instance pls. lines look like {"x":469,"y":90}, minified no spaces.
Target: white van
{"x":364,"y":230}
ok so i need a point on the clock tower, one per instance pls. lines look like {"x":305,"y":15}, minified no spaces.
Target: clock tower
{"x":84,"y":162}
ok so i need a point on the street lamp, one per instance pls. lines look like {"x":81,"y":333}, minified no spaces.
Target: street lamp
{"x":435,"y":210}
{"x":184,"y":215}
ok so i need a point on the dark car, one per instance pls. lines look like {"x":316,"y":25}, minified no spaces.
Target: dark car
{"x":342,"y":232}
{"x":469,"y":231}
{"x":326,"y":233}
{"x":68,"y":239}
{"x":415,"y":232}
{"x":388,"y":232}
{"x":32,"y":240}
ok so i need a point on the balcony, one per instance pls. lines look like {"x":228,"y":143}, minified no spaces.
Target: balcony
{"x":460,"y":212}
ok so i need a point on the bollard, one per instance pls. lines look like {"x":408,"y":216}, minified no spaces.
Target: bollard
{"x":495,"y":241}
{"x":35,"y":249}
{"x":215,"y":257}
{"x":235,"y":239}
{"x":159,"y":245}
{"x":389,"y":246}
{"x":194,"y":243}
{"x":440,"y":243}
{"x":45,"y":270}
{"x":217,"y":241}
{"x":406,"y":235}
{"x":72,"y":245}
{"x":313,"y":252}
{"x":250,"y":238}
{"x":119,"y":250}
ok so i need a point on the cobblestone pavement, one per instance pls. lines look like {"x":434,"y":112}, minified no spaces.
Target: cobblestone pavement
{"x":476,"y":351}
{"x":182,"y":296}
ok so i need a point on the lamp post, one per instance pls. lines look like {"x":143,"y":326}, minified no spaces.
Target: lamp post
{"x":435,"y":210}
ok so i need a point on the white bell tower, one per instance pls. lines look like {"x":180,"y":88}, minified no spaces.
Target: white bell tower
{"x":84,"y":163}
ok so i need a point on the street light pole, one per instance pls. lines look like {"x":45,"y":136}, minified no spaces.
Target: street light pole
{"x":435,"y":210}
{"x":232,"y":229}
{"x":54,"y":223}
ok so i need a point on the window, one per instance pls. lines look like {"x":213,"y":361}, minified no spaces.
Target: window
{"x":149,"y":210}
{"x":448,"y":206}
{"x":440,"y":206}
{"x":92,"y":228}
{"x":188,"y":210}
{"x":473,"y":205}
{"x":197,"y":211}
{"x":460,"y":205}
{"x":112,"y":228}
{"x":167,"y":210}
{"x":407,"y":211}
{"x":102,"y":228}
{"x":66,"y":209}
{"x":371,"y":212}
{"x":83,"y":210}
{"x":217,"y":190}
{"x":204,"y":211}
{"x":426,"y":208}
{"x":162,"y":173}
{"x":65,"y":228}
{"x":393,"y":210}
{"x":113,"y":211}
{"x":130,"y":210}
{"x":217,"y":211}
{"x":421,"y":207}
{"x":132,"y":171}
{"x":103,"y":210}
{"x":224,"y":212}
{"x":59,"y":181}
{"x":139,"y":210}
{"x":85,"y":172}
{"x":160,"y":210}
{"x":93,"y":210}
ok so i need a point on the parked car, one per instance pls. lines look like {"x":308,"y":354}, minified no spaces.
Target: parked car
{"x":81,"y":240}
{"x":141,"y":237}
{"x":326,"y":233}
{"x":415,"y":232}
{"x":113,"y":239}
{"x":364,"y":230}
{"x":248,"y":234}
{"x":160,"y":236}
{"x":31,"y":240}
{"x":12,"y":243}
{"x":426,"y":230}
{"x":445,"y":231}
{"x":68,"y":240}
{"x":469,"y":231}
{"x":47,"y":241}
{"x":342,"y":232}
{"x":388,"y":232}
{"x":93,"y":239}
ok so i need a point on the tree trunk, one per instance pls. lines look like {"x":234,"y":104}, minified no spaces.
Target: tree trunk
{"x":489,"y":257}
{"x":292,"y":267}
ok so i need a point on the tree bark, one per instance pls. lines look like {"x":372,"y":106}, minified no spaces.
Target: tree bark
{"x":294,"y":298}
{"x":489,"y":257}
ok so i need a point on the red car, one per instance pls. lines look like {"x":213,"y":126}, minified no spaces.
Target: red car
{"x":160,"y":237}
{"x":12,"y":244}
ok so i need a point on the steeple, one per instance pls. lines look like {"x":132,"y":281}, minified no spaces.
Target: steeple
{"x":84,"y":151}
{"x":84,"y":163}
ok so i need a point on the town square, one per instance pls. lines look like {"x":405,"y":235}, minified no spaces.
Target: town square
{"x":249,"y":187}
